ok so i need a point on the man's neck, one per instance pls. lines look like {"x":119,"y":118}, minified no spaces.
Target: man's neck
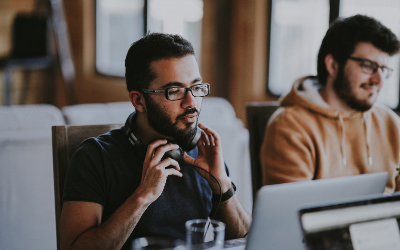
{"x":142,"y":130}
{"x":329,"y":95}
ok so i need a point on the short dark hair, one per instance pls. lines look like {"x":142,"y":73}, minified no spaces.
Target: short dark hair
{"x":150,"y":48}
{"x":345,"y":33}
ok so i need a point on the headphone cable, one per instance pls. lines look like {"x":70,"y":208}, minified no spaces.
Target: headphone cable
{"x":220,"y":195}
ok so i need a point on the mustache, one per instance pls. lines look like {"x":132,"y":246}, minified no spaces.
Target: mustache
{"x":369,"y":84}
{"x":188,"y":112}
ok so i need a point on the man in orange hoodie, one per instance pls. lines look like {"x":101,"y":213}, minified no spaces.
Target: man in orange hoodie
{"x":329,"y":125}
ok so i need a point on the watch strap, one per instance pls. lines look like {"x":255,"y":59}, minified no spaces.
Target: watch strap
{"x":225,"y":196}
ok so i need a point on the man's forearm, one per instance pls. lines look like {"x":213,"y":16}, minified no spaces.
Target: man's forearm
{"x":236,"y":218}
{"x":113,"y":233}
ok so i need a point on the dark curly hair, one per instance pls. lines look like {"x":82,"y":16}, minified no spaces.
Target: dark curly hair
{"x":345,"y":33}
{"x":150,"y":48}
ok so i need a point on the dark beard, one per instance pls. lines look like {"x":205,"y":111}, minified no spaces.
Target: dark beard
{"x":342,"y":87}
{"x":162,"y":123}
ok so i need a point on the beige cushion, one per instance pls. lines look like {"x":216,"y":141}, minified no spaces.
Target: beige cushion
{"x":27,"y":208}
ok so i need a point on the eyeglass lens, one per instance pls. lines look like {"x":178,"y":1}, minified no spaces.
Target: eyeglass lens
{"x":370,"y":67}
{"x":177,"y":93}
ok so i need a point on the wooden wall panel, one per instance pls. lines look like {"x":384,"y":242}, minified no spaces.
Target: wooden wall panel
{"x":91,"y":87}
{"x":249,"y":53}
{"x":234,"y":51}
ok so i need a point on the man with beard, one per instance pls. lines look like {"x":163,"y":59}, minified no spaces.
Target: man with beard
{"x":121,"y":186}
{"x":329,"y":125}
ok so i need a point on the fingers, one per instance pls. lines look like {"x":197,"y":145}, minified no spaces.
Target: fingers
{"x":157,"y":149}
{"x":209,"y":136}
{"x":170,"y":167}
{"x":173,"y":172}
{"x":205,"y":138}
{"x":154,"y":154}
{"x":169,"y":163}
{"x":150,"y":150}
{"x":156,"y":170}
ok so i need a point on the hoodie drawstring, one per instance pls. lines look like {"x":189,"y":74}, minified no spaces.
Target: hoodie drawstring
{"x":343,"y":141}
{"x":367,"y":136}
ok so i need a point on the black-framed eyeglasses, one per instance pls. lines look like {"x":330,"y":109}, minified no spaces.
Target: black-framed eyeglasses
{"x":178,"y":93}
{"x":371,"y":67}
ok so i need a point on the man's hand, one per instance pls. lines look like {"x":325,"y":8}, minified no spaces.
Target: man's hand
{"x":155,"y":171}
{"x":81,"y":226}
{"x":210,"y":158}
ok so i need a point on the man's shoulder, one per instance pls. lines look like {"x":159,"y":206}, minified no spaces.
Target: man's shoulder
{"x":103,"y":142}
{"x":111,"y":136}
{"x":383,"y":112}
{"x":293,"y":113}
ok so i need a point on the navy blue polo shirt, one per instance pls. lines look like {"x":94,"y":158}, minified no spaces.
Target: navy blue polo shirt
{"x":107,"y":170}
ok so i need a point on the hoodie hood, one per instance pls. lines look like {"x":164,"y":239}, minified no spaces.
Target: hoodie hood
{"x":305,"y":93}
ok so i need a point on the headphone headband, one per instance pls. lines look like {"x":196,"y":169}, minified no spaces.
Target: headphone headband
{"x":174,"y":154}
{"x":136,"y":143}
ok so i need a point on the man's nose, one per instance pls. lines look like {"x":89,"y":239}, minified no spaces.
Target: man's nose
{"x":189,"y":101}
{"x":377,"y":77}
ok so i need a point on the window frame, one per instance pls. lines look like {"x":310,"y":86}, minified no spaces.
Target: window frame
{"x":145,"y":14}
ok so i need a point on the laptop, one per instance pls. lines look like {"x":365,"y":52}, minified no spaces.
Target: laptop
{"x":368,"y":223}
{"x":275,"y":222}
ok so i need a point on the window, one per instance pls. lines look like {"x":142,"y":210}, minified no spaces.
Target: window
{"x":388,"y":13}
{"x":119,"y":23}
{"x":297,"y":30}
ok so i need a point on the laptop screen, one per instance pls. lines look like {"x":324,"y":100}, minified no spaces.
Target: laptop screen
{"x":371,"y":223}
{"x":275,"y":216}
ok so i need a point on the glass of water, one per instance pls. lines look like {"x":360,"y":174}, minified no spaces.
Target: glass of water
{"x":204,"y":234}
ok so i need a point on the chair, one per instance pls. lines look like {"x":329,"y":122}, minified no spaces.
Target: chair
{"x":97,"y":113}
{"x":66,"y":139}
{"x":258,"y":114}
{"x":27,"y":219}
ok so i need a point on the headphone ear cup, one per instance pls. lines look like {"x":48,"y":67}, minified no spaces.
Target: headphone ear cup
{"x":176,"y":154}
{"x":193,"y":143}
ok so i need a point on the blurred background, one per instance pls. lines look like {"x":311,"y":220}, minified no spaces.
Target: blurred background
{"x":249,"y":50}
{"x":70,"y":54}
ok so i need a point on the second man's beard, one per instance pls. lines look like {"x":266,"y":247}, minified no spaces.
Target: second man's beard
{"x":343,"y":89}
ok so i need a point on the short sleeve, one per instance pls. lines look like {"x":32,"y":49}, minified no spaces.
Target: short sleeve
{"x":85,"y":180}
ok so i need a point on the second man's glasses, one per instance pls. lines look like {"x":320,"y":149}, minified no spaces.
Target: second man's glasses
{"x":371,"y":67}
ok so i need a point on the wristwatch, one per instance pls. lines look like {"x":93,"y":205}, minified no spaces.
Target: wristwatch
{"x":225,"y":196}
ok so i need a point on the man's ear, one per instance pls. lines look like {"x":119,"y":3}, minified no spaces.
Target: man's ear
{"x":331,"y":65}
{"x":137,"y":101}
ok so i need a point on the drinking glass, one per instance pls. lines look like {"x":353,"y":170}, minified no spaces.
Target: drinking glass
{"x":157,"y":243}
{"x":204,"y":234}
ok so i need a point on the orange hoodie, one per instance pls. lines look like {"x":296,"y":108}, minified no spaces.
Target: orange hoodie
{"x":306,"y":139}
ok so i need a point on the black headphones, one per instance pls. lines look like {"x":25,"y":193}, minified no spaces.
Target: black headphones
{"x":174,"y":154}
